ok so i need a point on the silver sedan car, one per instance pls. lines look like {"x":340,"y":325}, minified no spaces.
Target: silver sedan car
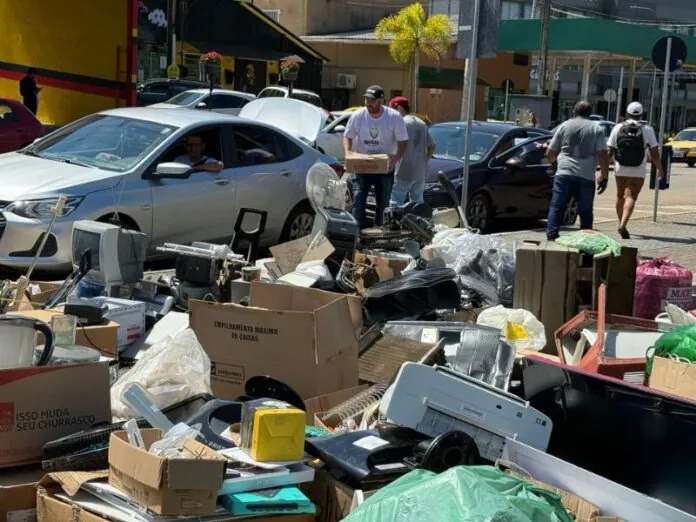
{"x":106,"y":164}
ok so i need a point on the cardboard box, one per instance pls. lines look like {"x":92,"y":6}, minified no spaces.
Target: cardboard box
{"x":357,"y":163}
{"x":102,"y":337}
{"x":18,"y":494}
{"x":51,"y":509}
{"x":304,"y":337}
{"x":41,"y":404}
{"x":674,"y":377}
{"x":38,"y":293}
{"x":166,"y":486}
{"x":323,"y":403}
{"x":332,"y":498}
{"x":374,"y":269}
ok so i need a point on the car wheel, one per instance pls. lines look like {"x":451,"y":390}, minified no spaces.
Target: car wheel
{"x":479,"y":213}
{"x":299,"y":223}
{"x":570,"y":215}
{"x":691,"y":164}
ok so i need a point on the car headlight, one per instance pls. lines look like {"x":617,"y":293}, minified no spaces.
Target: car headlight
{"x":43,"y":208}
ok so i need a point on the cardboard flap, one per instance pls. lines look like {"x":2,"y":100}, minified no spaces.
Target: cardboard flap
{"x":72,"y":481}
{"x":205,"y":472}
{"x":289,"y":297}
{"x":135,"y":462}
{"x":334,"y":331}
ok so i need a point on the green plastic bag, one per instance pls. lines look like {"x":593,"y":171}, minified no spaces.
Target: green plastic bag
{"x":590,"y":242}
{"x":678,"y":343}
{"x":461,"y":494}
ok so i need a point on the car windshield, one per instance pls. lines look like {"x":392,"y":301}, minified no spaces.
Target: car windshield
{"x":307,"y":97}
{"x":185,"y":98}
{"x":449,"y":142}
{"x":106,"y":142}
{"x":686,"y":135}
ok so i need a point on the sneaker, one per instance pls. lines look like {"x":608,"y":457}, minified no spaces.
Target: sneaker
{"x":624,"y":233}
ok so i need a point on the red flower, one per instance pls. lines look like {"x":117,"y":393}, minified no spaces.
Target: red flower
{"x":212,"y":56}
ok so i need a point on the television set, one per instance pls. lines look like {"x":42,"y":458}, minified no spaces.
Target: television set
{"x":117,"y":255}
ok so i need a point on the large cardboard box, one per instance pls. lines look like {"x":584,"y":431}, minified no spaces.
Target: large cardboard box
{"x":357,"y":163}
{"x":18,"y":494}
{"x":41,"y":404}
{"x":101,"y":337}
{"x":304,"y":337}
{"x":180,"y":486}
{"x":674,"y":377}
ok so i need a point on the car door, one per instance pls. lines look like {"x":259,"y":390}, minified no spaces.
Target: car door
{"x":12,"y":135}
{"x":227,"y":103}
{"x":201,"y":206}
{"x":523,"y":189}
{"x":265,"y":172}
{"x":330,"y":140}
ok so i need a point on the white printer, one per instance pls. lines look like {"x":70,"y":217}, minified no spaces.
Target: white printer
{"x":434,"y":400}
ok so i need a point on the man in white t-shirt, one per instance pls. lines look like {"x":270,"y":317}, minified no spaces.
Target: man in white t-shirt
{"x":627,"y":144}
{"x":374,"y":129}
{"x":195,"y":158}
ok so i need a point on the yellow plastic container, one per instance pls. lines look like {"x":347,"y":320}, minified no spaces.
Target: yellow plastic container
{"x":278,"y":435}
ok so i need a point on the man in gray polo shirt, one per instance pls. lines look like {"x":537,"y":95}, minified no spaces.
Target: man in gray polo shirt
{"x":577,"y":145}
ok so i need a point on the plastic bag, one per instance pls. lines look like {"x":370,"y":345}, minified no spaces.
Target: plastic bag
{"x":484,"y":257}
{"x":519,"y":327}
{"x":679,"y":344}
{"x":590,"y":242}
{"x":461,"y":494}
{"x":658,"y":282}
{"x":171,"y":371}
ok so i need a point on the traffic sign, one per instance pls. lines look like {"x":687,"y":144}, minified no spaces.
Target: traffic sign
{"x":677,"y":56}
{"x":173,"y":72}
{"x":610,"y":95}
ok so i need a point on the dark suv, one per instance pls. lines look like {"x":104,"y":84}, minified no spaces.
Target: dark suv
{"x":159,"y":90}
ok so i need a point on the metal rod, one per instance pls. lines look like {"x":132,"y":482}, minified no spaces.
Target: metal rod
{"x":507,"y":100}
{"x":544,"y":47}
{"x":663,"y":115}
{"x":471,"y":112}
{"x":619,"y":101}
{"x":652,"y":94}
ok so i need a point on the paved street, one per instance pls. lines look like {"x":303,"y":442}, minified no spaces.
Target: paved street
{"x":674,"y":234}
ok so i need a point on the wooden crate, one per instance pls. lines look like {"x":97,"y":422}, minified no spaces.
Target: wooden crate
{"x":555,"y":283}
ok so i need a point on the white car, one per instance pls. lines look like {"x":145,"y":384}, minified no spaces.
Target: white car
{"x":278,"y":91}
{"x":119,"y":164}
{"x":220,"y":100}
{"x":330,"y":139}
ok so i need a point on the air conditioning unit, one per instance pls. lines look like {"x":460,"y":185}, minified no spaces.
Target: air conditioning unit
{"x":346,"y":81}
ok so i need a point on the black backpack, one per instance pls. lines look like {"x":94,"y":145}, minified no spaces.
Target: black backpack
{"x":630,"y":145}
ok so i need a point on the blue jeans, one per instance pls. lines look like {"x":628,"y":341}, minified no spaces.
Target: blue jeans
{"x":412,"y":189}
{"x":361,"y":189}
{"x":564,"y":188}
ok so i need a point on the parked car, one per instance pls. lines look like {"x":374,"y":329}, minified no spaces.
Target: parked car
{"x":220,"y":100}
{"x":509,"y":175}
{"x":684,"y":147}
{"x":18,"y":126}
{"x":112,"y":164}
{"x":330,"y":139}
{"x":158,"y":90}
{"x":278,"y":91}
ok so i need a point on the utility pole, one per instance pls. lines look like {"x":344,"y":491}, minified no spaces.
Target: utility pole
{"x":171,"y":31}
{"x":535,"y":9}
{"x":544,"y":47}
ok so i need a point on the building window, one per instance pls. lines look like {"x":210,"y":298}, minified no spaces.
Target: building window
{"x":511,"y":10}
{"x":273,"y":14}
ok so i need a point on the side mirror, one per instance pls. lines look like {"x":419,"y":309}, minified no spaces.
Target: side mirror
{"x":339,"y":129}
{"x":201,"y":105}
{"x":514,"y":164}
{"x":172,"y":170}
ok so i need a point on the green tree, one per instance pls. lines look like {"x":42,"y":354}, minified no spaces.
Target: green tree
{"x":412,"y":32}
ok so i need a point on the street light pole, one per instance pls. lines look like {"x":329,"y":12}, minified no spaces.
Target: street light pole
{"x":544,"y":47}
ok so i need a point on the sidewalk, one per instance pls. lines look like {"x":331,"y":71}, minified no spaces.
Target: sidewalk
{"x":673,"y":236}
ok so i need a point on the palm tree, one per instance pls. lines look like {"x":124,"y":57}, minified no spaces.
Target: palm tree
{"x":412,"y":32}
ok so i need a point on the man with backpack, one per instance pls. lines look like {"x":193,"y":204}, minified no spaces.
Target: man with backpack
{"x":627,"y":144}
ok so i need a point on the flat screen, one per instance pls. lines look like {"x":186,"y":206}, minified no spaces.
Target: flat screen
{"x":82,"y":241}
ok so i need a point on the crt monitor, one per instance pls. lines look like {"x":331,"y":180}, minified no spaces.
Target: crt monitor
{"x":118,"y":255}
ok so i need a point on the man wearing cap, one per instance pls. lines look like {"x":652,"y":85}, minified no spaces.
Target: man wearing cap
{"x":627,"y":144}
{"x":374,"y":129}
{"x":409,"y":176}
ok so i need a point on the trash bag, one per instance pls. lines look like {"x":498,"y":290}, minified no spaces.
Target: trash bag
{"x":679,"y":344}
{"x":660,"y":281}
{"x":171,"y":371}
{"x":590,"y":242}
{"x":519,"y":327}
{"x":461,"y":494}
{"x":484,"y":257}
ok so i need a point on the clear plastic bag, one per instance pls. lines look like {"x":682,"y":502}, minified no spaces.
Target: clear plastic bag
{"x":483,"y":257}
{"x":519,"y":327}
{"x":171,"y":371}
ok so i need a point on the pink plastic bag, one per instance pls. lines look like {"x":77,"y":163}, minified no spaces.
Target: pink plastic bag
{"x":658,"y":282}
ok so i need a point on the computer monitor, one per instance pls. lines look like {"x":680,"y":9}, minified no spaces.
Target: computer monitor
{"x":118,"y":255}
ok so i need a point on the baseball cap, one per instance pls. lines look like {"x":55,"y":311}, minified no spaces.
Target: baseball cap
{"x":398,"y":100}
{"x":374,"y":91}
{"x":635,"y":109}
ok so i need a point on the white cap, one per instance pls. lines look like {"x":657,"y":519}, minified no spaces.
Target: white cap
{"x":635,"y":109}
